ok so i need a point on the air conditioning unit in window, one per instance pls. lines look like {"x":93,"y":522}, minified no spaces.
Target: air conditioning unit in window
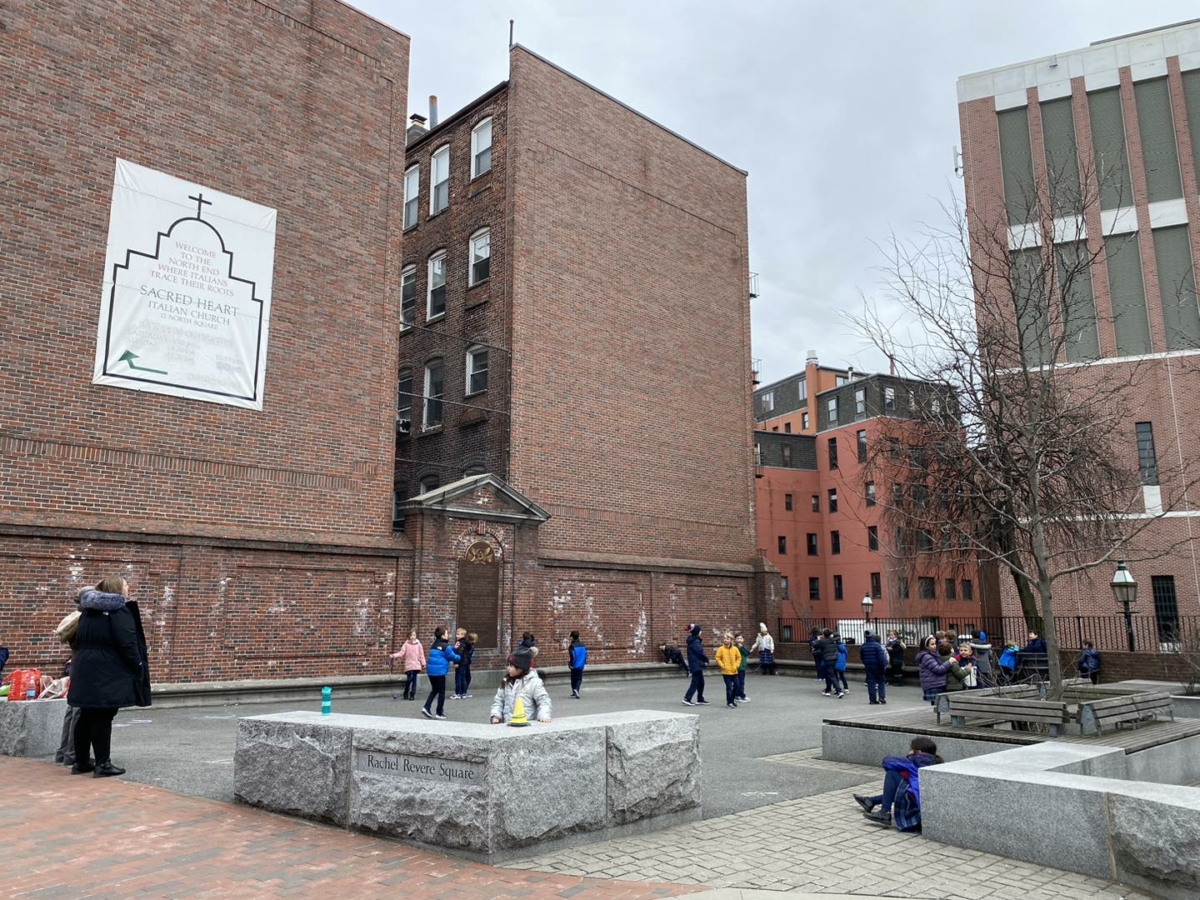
{"x":404,"y":426}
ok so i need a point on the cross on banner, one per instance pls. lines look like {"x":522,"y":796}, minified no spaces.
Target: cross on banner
{"x":200,"y":203}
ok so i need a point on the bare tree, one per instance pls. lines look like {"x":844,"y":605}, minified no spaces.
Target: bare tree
{"x":1015,"y":451}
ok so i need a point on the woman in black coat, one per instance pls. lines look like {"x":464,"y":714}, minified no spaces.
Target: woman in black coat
{"x":109,"y":671}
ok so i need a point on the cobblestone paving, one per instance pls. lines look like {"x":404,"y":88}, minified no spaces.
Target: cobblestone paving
{"x":820,"y":844}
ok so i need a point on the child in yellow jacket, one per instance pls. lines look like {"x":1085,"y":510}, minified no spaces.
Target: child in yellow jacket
{"x":729,"y":659}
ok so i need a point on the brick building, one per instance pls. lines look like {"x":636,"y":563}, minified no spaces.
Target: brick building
{"x":822,"y":499}
{"x":783,"y":405}
{"x":260,"y":533}
{"x":1117,"y":122}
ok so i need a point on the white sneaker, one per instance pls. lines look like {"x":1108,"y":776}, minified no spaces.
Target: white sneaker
{"x":743,"y":699}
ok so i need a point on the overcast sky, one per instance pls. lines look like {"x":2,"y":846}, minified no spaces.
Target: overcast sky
{"x":844,"y":114}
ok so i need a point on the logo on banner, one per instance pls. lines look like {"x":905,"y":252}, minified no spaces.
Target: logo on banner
{"x":186,"y":303}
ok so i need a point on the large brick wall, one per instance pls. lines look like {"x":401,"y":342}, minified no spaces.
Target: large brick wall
{"x":258,"y":542}
{"x":299,"y":108}
{"x":631,"y":337}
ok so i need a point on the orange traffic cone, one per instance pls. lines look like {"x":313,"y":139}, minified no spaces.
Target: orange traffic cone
{"x":518,"y":714}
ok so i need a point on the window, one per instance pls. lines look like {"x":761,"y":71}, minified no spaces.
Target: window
{"x":1166,"y":609}
{"x":862,"y":446}
{"x":802,"y":388}
{"x":924,"y":542}
{"x":785,"y":451}
{"x":787,"y":427}
{"x":860,"y":403}
{"x":408,"y":297}
{"x":831,"y":405}
{"x":951,"y":594}
{"x":812,"y":544}
{"x":787,"y":502}
{"x":768,"y":401}
{"x":870,"y":493}
{"x":481,"y":148}
{"x":833,"y":460}
{"x":783,"y":585}
{"x":814,"y":589}
{"x":876,"y":585}
{"x":816,"y":502}
{"x":839,"y":380}
{"x":898,"y":495}
{"x":835,"y":542}
{"x":439,"y":179}
{"x":804,"y":421}
{"x":832,"y":500}
{"x":435,"y":301}
{"x":889,"y":399}
{"x":902,"y":587}
{"x":481,"y":256}
{"x":477,"y":370}
{"x":412,"y":188}
{"x":472,"y":470}
{"x":872,"y":537}
{"x":837,"y":587}
{"x":404,"y":399}
{"x":774,"y":427}
{"x":968,"y":592}
{"x":758,"y":454}
{"x":429,"y":483}
{"x":783,"y":545}
{"x":1147,"y":460}
{"x":435,"y":385}
{"x":926,"y":588}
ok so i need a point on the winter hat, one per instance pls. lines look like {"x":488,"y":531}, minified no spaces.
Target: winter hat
{"x":695,"y":630}
{"x":521,"y":659}
{"x":762,"y":626}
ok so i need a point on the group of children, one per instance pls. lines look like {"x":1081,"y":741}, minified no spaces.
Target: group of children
{"x":731,"y":661}
{"x":520,"y":678}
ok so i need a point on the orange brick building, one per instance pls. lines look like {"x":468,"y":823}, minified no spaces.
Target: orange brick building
{"x":1118,"y":121}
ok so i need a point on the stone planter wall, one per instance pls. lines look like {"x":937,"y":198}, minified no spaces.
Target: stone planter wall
{"x":31,"y":727}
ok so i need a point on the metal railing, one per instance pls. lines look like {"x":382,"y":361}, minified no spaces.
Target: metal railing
{"x":1149,"y":634}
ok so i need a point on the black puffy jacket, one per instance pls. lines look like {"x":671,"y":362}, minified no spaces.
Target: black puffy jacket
{"x":109,"y":668}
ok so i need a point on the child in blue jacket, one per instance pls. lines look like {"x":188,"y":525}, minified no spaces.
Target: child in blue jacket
{"x":576,"y":660}
{"x":840,"y":665}
{"x":437,"y":664}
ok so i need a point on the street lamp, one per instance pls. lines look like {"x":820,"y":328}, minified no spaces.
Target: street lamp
{"x":1124,"y":588}
{"x":867,"y":604}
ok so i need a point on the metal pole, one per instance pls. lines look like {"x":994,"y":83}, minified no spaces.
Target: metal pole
{"x":1129,"y":628}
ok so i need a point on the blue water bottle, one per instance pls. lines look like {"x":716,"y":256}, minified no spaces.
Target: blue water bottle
{"x":326,"y":700}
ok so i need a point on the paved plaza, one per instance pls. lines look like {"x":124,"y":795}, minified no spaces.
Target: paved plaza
{"x":777,"y":819}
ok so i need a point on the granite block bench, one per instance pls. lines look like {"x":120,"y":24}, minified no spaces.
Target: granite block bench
{"x":487,"y":792}
{"x":31,"y":727}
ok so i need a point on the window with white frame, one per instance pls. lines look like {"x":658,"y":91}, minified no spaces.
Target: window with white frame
{"x":802,"y":389}
{"x":439,"y":181}
{"x":768,"y":401}
{"x":477,"y":370}
{"x":481,"y":256}
{"x":404,"y":401}
{"x":435,"y":303}
{"x":832,"y":406}
{"x":481,"y":148}
{"x":889,"y":399}
{"x":435,"y":387}
{"x":412,"y":188}
{"x":408,"y":296}
{"x":860,"y":403}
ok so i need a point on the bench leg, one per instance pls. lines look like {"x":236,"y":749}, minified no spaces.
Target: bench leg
{"x":1056,"y":730}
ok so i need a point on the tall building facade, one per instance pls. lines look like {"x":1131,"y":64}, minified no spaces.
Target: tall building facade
{"x":309,"y":379}
{"x":822,"y":501}
{"x":1098,"y":149}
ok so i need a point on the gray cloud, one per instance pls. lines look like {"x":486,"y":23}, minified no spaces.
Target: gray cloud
{"x":843,"y":113}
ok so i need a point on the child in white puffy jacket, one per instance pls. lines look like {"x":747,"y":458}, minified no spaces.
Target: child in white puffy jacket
{"x":524,"y":684}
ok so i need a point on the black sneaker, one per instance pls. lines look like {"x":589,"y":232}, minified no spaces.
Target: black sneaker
{"x":865,"y":802}
{"x":702,"y":703}
{"x":879,"y":818}
{"x":883,"y":702}
{"x":688,"y":703}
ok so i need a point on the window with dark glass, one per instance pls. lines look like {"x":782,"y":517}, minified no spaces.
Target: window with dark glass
{"x":872,"y":537}
{"x":783,"y":586}
{"x":1147,"y":459}
{"x":811,"y":540}
{"x":408,"y":297}
{"x":787,"y":502}
{"x":968,"y":592}
{"x":862,"y":446}
{"x":814,"y":589}
{"x":1166,"y":608}
{"x":835,"y":542}
{"x":870,"y":493}
{"x":950,"y":589}
{"x":833,"y":458}
{"x":924,"y":541}
{"x":889,"y":399}
{"x":787,"y":427}
{"x":477,"y":370}
{"x":816,"y":502}
{"x":832,"y":500}
{"x":404,"y":400}
{"x":860,"y":403}
{"x":876,"y":585}
{"x":481,"y":148}
{"x":902,"y":587}
{"x":481,"y":256}
{"x":435,"y":385}
{"x":439,"y":179}
{"x":786,"y":454}
{"x":837,"y":587}
{"x":783,"y":545}
{"x":429,"y":483}
{"x":832,"y":406}
{"x":926,"y":588}
{"x":435,"y":303}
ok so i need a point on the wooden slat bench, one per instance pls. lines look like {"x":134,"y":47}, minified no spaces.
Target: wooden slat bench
{"x":1009,"y":709}
{"x":1135,"y":708}
{"x":1011,"y":691}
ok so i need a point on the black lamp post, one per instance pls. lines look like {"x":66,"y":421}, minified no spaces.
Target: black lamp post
{"x":867,"y":604}
{"x":1124,"y":588}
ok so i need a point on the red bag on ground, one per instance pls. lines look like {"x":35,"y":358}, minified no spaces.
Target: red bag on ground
{"x":24,"y":681}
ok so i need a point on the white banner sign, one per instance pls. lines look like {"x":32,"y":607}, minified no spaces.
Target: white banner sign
{"x":187,"y":290}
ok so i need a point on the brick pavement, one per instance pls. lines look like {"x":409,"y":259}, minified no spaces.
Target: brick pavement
{"x":821,"y":844}
{"x":68,"y":837}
